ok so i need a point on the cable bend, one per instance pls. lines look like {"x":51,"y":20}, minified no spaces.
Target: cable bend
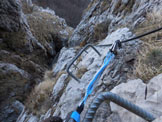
{"x":119,"y":101}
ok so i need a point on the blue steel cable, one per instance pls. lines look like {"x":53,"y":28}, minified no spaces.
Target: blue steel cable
{"x":89,"y":90}
{"x":110,"y":56}
{"x":98,"y":75}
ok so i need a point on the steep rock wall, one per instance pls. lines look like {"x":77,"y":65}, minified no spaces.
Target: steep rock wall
{"x":104,"y":23}
{"x":104,"y":16}
{"x":25,"y":53}
{"x":67,"y":93}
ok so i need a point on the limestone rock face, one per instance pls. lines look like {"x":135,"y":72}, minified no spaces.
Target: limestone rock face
{"x":135,"y":91}
{"x":65,"y":56}
{"x":158,"y":119}
{"x":67,"y":93}
{"x":105,"y":16}
{"x":54,"y":33}
{"x":28,"y":44}
{"x":112,"y":76}
{"x":103,"y":22}
{"x":11,"y":111}
{"x":8,"y":21}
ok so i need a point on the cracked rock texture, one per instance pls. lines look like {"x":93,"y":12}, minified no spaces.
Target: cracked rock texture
{"x":68,"y":93}
{"x":31,"y":37}
{"x":104,"y":22}
{"x":135,"y":91}
{"x":158,"y":119}
{"x":104,"y":16}
{"x":25,"y":53}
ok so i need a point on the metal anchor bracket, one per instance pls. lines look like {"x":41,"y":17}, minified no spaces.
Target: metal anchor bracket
{"x":76,"y":57}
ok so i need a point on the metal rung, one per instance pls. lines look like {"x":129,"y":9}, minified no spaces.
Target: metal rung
{"x":75,"y":66}
{"x":86,"y":51}
{"x":77,"y":56}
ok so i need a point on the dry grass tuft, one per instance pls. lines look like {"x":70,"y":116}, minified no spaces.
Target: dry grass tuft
{"x":39,"y":100}
{"x":101,"y":30}
{"x":149,"y":60}
{"x":149,"y":64}
{"x":83,"y":43}
{"x":81,"y":71}
{"x":46,"y":28}
{"x":154,"y":57}
{"x":26,"y":8}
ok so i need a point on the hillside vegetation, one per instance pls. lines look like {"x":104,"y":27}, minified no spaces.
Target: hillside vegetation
{"x":149,"y":60}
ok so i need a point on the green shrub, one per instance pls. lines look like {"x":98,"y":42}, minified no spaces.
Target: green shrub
{"x":39,"y":100}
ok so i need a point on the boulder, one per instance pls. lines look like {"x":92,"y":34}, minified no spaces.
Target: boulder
{"x":146,"y":96}
{"x":11,"y":17}
{"x":26,"y":52}
{"x":158,"y":119}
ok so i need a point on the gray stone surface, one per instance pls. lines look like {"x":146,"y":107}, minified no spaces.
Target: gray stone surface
{"x":24,"y":57}
{"x":65,"y":56}
{"x":102,"y":113}
{"x":135,"y":91}
{"x":158,"y":119}
{"x":59,"y":87}
{"x":74,"y":92}
{"x":116,"y":15}
{"x":8,"y":21}
{"x":115,"y":74}
{"x":10,"y":82}
{"x":116,"y":12}
{"x":10,"y":112}
{"x":18,"y":106}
